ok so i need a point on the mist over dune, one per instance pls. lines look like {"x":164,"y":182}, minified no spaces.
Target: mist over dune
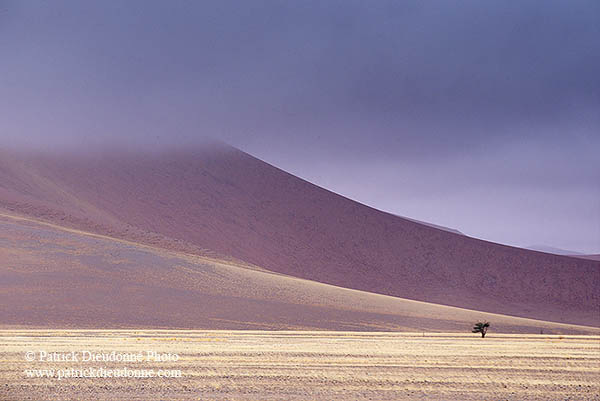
{"x":215,"y":198}
{"x":299,"y":200}
{"x":553,"y":250}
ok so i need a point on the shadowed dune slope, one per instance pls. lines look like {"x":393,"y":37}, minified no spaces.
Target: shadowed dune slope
{"x":56,"y":277}
{"x":220,"y":199}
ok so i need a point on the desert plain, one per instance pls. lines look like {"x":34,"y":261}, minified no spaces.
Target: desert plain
{"x":304,"y":365}
{"x":257,"y":285}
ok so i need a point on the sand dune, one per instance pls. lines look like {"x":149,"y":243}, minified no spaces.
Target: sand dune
{"x":54,"y":277}
{"x":222,"y":202}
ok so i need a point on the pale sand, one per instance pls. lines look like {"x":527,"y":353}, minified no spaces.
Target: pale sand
{"x":253,"y":365}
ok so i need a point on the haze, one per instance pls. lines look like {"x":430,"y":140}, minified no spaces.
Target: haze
{"x":478,"y":116}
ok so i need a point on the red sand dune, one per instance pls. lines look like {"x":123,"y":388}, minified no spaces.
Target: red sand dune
{"x":61,"y":278}
{"x":221,"y":199}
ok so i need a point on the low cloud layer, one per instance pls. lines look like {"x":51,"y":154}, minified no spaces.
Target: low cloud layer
{"x":479,"y":115}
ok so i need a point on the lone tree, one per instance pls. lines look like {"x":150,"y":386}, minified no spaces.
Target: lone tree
{"x":481,"y":327}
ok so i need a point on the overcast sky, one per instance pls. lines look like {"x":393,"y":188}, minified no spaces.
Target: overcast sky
{"x":479,"y":115}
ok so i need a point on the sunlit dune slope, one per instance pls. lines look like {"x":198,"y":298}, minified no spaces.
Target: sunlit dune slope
{"x":52,"y":277}
{"x":220,"y":199}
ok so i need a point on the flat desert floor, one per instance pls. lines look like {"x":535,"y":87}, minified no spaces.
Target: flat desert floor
{"x":295,"y":365}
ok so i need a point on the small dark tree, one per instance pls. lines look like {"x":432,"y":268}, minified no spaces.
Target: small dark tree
{"x":481,"y":327}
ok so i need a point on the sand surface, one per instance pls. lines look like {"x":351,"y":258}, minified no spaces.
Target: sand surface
{"x":222,"y":200}
{"x":56,"y":277}
{"x":251,"y":365}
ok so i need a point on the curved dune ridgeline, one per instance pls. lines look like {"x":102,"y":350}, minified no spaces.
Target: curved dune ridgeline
{"x":219,"y":201}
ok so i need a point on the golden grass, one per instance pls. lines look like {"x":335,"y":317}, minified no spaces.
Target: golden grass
{"x":291,"y":365}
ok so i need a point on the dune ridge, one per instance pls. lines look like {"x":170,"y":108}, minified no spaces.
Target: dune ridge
{"x":85,"y":280}
{"x":218,"y":199}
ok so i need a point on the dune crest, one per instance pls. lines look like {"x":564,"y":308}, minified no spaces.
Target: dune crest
{"x":221,"y":200}
{"x":84,"y":280}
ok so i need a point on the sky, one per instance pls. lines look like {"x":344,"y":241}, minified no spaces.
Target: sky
{"x":480,"y":116}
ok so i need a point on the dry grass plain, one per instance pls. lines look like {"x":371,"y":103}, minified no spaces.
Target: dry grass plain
{"x":300,"y":365}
